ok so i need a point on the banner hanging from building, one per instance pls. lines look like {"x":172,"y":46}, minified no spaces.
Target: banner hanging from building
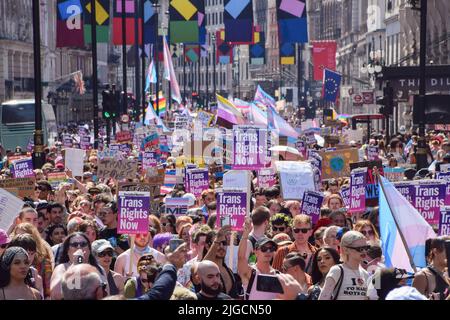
{"x":102,"y":20}
{"x":258,"y":49}
{"x":292,"y":21}
{"x":150,"y":18}
{"x":324,"y":57}
{"x":186,"y":18}
{"x":130,"y":13}
{"x":238,"y":20}
{"x":287,"y":53}
{"x":224,"y":52}
{"x":69,"y":24}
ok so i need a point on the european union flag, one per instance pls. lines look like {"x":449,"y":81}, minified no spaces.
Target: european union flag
{"x":331,"y":85}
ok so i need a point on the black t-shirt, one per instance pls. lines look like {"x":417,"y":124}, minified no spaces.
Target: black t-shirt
{"x":116,"y":240}
{"x":220,"y":296}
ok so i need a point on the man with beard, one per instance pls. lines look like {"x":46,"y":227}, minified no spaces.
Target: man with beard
{"x":216,"y":249}
{"x":108,"y":215}
{"x":210,"y":281}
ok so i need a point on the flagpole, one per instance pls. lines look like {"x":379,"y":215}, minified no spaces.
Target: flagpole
{"x":94,"y":69}
{"x":143,"y":60}
{"x":411,"y":261}
{"x":124,"y":59}
{"x":136,"y":63}
{"x":184,"y":73}
{"x":155,"y":56}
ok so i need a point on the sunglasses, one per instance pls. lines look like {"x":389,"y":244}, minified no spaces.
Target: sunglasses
{"x":367,"y":233}
{"x":223,"y":243}
{"x":360,"y":249}
{"x":278,"y":228}
{"x":303,"y":230}
{"x":103,"y":254}
{"x":268,"y":249}
{"x":78,"y":245}
{"x":40,"y":188}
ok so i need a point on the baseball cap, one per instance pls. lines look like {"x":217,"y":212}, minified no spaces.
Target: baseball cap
{"x":59,"y":165}
{"x":101,"y":245}
{"x":264,"y":241}
{"x":4,"y":239}
{"x":191,"y":198}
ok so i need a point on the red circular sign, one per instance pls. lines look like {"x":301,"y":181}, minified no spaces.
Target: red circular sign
{"x":358,"y":98}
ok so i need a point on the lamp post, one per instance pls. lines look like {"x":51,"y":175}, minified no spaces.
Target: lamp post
{"x":94,"y":69}
{"x":214,"y":65}
{"x":156,"y":6}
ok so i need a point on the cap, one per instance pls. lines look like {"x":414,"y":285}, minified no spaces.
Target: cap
{"x":4,"y":239}
{"x":94,"y":190}
{"x":59,"y":165}
{"x":191,"y":198}
{"x":101,"y":245}
{"x":264,"y":241}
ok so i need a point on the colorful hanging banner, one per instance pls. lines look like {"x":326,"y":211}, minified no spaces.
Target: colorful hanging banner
{"x":150,"y":17}
{"x":130,"y":13}
{"x":69,"y":24}
{"x":324,"y":57}
{"x":238,"y":20}
{"x":292,"y":21}
{"x":224,"y":52}
{"x":186,"y":17}
{"x":287,"y":53}
{"x":192,"y":53}
{"x":258,"y":49}
{"x":102,"y":19}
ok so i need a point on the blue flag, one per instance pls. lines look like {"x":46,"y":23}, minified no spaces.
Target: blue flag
{"x":331,"y":85}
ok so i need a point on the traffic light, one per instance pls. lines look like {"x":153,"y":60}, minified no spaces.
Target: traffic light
{"x":107,"y":114}
{"x":387,"y":101}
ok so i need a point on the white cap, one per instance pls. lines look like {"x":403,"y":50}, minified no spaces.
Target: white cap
{"x":191,"y":198}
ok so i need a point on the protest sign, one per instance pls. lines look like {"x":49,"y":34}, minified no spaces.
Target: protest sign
{"x":123,"y":136}
{"x":249,"y":147}
{"x":197,"y":181}
{"x":353,"y":135}
{"x":67,"y":141}
{"x":133,"y":207}
{"x":427,"y":196}
{"x":22,"y":168}
{"x":295,"y":179}
{"x":10,"y":207}
{"x":56,"y":178}
{"x":301,"y":146}
{"x":445,"y":176}
{"x":74,"y":159}
{"x":149,"y":161}
{"x":150,"y":143}
{"x":157,"y":177}
{"x":12,"y":157}
{"x":125,"y":148}
{"x":170,"y":180}
{"x":232,"y":208}
{"x":30,"y":145}
{"x":444,"y":223}
{"x":311,"y":204}
{"x":20,"y":187}
{"x":206,"y":118}
{"x":85,"y":142}
{"x":371,"y":180}
{"x":394,"y":174}
{"x":345,"y":195}
{"x":372,"y":153}
{"x":177,"y":206}
{"x":310,"y":138}
{"x":358,"y":190}
{"x":237,"y":180}
{"x":266,"y":178}
{"x":335,"y":164}
{"x":117,"y":169}
{"x":181,"y":122}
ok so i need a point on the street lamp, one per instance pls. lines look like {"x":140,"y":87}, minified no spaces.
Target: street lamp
{"x":214,"y":64}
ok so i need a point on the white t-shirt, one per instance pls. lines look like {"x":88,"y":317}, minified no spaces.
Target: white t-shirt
{"x":354,"y":285}
{"x":159,"y":257}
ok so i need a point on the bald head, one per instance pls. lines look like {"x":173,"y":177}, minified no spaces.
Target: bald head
{"x":210,"y":282}
{"x":207,"y":267}
{"x":81,"y":282}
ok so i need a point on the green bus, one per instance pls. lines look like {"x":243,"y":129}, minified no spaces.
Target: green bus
{"x":17,"y":123}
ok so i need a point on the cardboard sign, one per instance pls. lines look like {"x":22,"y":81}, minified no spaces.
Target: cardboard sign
{"x":232,"y":208}
{"x":170,"y":179}
{"x":117,"y":169}
{"x":237,"y":180}
{"x":133,"y":214}
{"x":157,"y":177}
{"x":427,"y":196}
{"x":10,"y":207}
{"x":150,"y":143}
{"x":22,"y":168}
{"x":74,"y":160}
{"x":177,"y":206}
{"x":20,"y":187}
{"x":266,"y":178}
{"x":197,"y":181}
{"x":56,"y":178}
{"x":335,"y":164}
{"x":358,"y":190}
{"x":372,"y":153}
{"x":249,"y":147}
{"x":295,"y":179}
{"x":444,"y":223}
{"x":123,"y":136}
{"x":311,"y":204}
{"x":181,"y":122}
{"x":394,"y":174}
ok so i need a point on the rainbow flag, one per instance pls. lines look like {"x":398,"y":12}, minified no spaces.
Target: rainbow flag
{"x":162,"y":104}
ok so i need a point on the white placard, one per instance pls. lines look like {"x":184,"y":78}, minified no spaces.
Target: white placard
{"x":75,"y":160}
{"x":10,"y":207}
{"x":237,"y":180}
{"x":295,"y":178}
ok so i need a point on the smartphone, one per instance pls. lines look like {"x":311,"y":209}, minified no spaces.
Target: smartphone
{"x":268,"y":283}
{"x":175,"y":243}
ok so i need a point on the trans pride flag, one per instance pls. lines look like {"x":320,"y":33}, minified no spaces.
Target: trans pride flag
{"x":411,"y":225}
{"x":264,"y":98}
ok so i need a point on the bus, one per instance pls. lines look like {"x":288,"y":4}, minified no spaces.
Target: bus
{"x":17,"y":123}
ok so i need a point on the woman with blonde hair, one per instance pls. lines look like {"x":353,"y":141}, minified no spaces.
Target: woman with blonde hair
{"x":43,"y":260}
{"x":368,"y":230}
{"x":349,"y":280}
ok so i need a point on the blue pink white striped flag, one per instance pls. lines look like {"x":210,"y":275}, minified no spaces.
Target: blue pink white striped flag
{"x":264,"y":98}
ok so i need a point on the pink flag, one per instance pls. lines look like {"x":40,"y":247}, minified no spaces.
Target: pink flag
{"x":169,"y":73}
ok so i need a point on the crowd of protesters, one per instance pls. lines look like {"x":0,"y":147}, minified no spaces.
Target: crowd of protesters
{"x":70,"y":232}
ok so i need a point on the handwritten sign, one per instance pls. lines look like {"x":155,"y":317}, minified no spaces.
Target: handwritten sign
{"x":117,"y":169}
{"x":335,"y":164}
{"x":266,"y":178}
{"x":232,"y":208}
{"x":133,"y":209}
{"x":20,"y":187}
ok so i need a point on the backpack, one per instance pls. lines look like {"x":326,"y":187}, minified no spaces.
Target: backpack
{"x":338,"y":285}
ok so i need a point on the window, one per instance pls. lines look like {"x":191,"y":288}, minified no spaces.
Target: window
{"x":17,"y":113}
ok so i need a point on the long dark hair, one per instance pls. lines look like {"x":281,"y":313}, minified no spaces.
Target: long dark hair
{"x":172,"y":221}
{"x":315,"y":271}
{"x":49,"y":232}
{"x":434,"y":243}
{"x":5,"y":270}
{"x":64,"y":257}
